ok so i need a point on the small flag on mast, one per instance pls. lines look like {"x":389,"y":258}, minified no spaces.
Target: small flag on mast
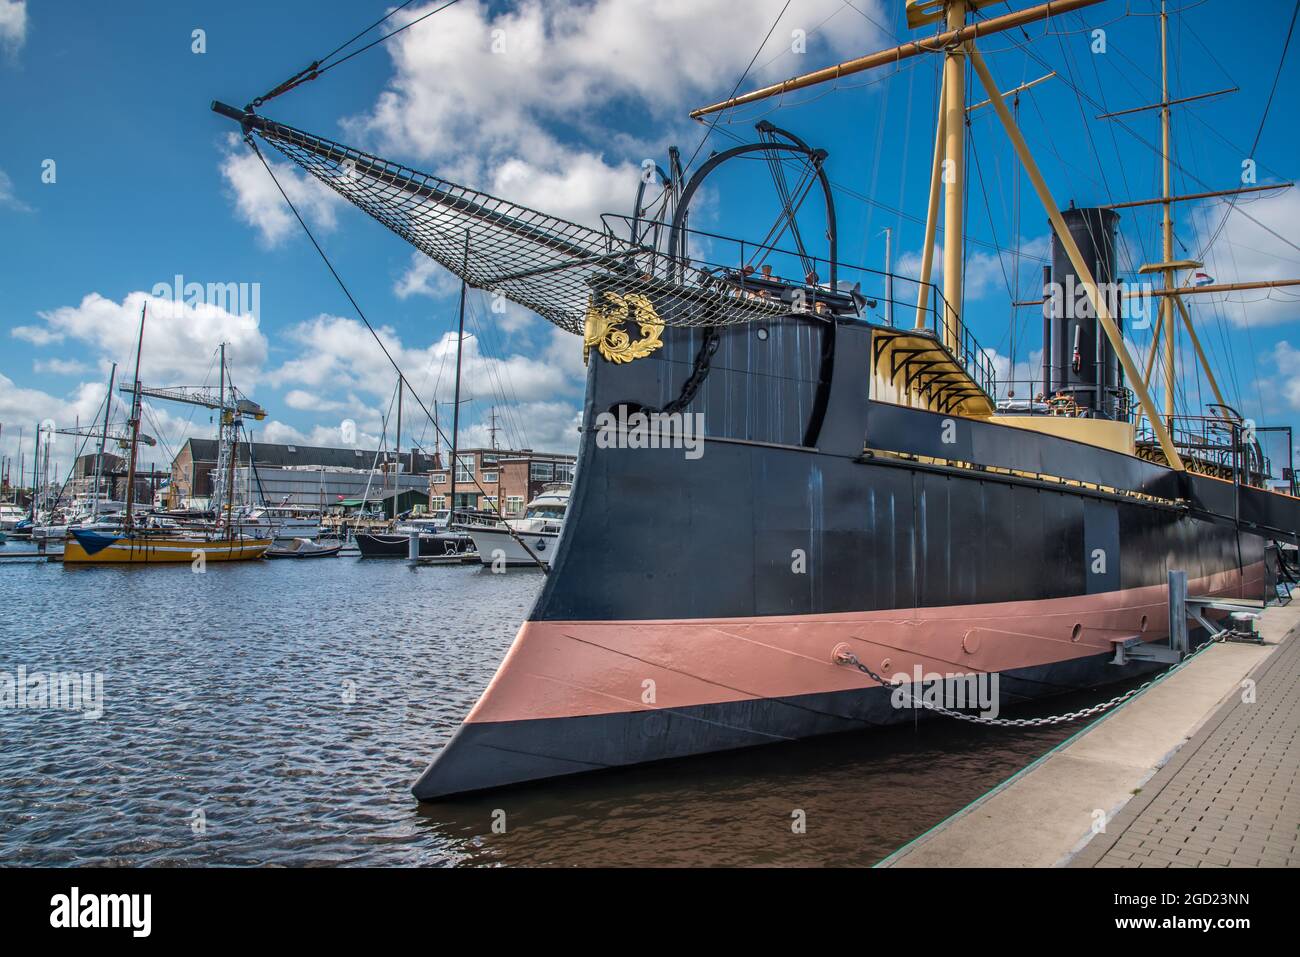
{"x":1203,"y":279}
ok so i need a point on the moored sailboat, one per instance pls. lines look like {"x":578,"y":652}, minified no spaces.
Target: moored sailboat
{"x":136,"y":544}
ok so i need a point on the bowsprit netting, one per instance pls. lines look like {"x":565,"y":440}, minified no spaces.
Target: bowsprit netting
{"x":546,"y":264}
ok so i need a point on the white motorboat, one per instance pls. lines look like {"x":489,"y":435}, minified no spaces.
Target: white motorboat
{"x":10,"y":515}
{"x":528,"y":540}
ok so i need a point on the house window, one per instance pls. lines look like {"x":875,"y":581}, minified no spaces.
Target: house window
{"x":437,"y":501}
{"x":489,"y":460}
{"x":540,"y":472}
{"x":439,"y":478}
{"x":564,"y":471}
{"x":464,"y":471}
{"x":489,"y":476}
{"x":514,"y":504}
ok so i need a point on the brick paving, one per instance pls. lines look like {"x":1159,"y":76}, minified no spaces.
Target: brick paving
{"x":1230,"y":797}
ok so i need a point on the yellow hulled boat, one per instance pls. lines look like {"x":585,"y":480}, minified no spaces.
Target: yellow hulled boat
{"x":97,"y":548}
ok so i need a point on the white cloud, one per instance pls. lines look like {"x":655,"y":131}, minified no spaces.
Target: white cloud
{"x":1287,"y":360}
{"x":987,"y":272}
{"x":22,"y":408}
{"x":482,"y":94}
{"x":541,"y":426}
{"x":1245,"y":251}
{"x":13,"y":25}
{"x":179,"y":341}
{"x":60,"y":367}
{"x":424,"y":277}
{"x":338,"y":354}
{"x":7,"y":196}
{"x":259,"y":204}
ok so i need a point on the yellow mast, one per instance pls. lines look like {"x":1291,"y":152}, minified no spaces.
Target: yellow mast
{"x":1166,"y":306}
{"x":958,"y":44}
{"x":954,"y":179}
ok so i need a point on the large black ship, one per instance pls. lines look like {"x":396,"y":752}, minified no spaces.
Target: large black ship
{"x":867,"y":499}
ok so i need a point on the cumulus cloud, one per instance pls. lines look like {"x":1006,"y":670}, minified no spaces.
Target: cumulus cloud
{"x":259,"y":204}
{"x":547,"y":103}
{"x":7,"y":196}
{"x":337,"y":354}
{"x":424,"y":277}
{"x":1246,"y":251}
{"x":180,"y":337}
{"x":60,"y":367}
{"x":987,"y":272}
{"x":13,"y":25}
{"x":1286,"y":359}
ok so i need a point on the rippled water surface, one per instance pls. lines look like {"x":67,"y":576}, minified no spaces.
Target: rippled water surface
{"x":278,"y":712}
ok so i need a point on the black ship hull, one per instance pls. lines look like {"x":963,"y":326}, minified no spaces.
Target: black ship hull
{"x":698,"y":604}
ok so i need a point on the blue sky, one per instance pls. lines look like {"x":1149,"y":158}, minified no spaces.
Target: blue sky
{"x":150,"y":184}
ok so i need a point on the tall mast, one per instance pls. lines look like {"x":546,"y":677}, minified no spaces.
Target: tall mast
{"x":455,"y":405}
{"x":36,"y":471}
{"x":397,"y":438}
{"x":221,"y":425}
{"x":1166,"y":303}
{"x":232,"y":447}
{"x":954,"y":178}
{"x":103,"y":440}
{"x":134,"y":423}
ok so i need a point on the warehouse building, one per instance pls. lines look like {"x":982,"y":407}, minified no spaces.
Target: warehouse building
{"x":298,"y":475}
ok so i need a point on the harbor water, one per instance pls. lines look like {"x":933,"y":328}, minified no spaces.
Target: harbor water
{"x":277,"y":714}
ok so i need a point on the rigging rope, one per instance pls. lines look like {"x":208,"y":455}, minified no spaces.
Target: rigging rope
{"x":388,"y":355}
{"x":318,"y":68}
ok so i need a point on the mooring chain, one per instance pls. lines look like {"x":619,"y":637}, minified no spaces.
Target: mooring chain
{"x":848,"y":658}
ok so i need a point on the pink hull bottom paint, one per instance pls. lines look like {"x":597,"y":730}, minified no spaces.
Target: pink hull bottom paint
{"x":577,"y":696}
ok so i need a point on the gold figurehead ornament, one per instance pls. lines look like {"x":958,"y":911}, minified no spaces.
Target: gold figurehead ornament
{"x":606,"y":315}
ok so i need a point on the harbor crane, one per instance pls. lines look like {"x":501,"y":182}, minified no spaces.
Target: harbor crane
{"x":233,"y":408}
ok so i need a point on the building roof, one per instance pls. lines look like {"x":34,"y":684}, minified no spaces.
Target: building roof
{"x":268,"y":454}
{"x":517,"y":455}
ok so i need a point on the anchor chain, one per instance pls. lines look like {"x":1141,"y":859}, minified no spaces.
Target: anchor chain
{"x":848,"y":658}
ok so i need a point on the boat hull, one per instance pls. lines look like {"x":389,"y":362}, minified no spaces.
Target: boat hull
{"x":398,"y":546}
{"x":497,"y":546}
{"x":146,"y":550}
{"x":703,"y":603}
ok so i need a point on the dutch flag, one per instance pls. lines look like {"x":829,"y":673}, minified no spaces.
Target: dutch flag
{"x":1203,"y":279}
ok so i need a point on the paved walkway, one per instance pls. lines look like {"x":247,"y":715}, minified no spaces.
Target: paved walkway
{"x":1120,"y":765}
{"x":1230,"y":797}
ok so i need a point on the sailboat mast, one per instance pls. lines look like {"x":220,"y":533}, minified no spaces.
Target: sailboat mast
{"x":397,"y":440}
{"x":134,"y":423}
{"x":1166,"y":303}
{"x":103,"y":441}
{"x":954,"y":178}
{"x":455,"y":404}
{"x":232,"y":447}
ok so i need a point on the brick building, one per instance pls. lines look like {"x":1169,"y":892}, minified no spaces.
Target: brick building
{"x":511,"y":478}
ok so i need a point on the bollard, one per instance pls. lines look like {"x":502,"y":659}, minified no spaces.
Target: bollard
{"x":413,"y":546}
